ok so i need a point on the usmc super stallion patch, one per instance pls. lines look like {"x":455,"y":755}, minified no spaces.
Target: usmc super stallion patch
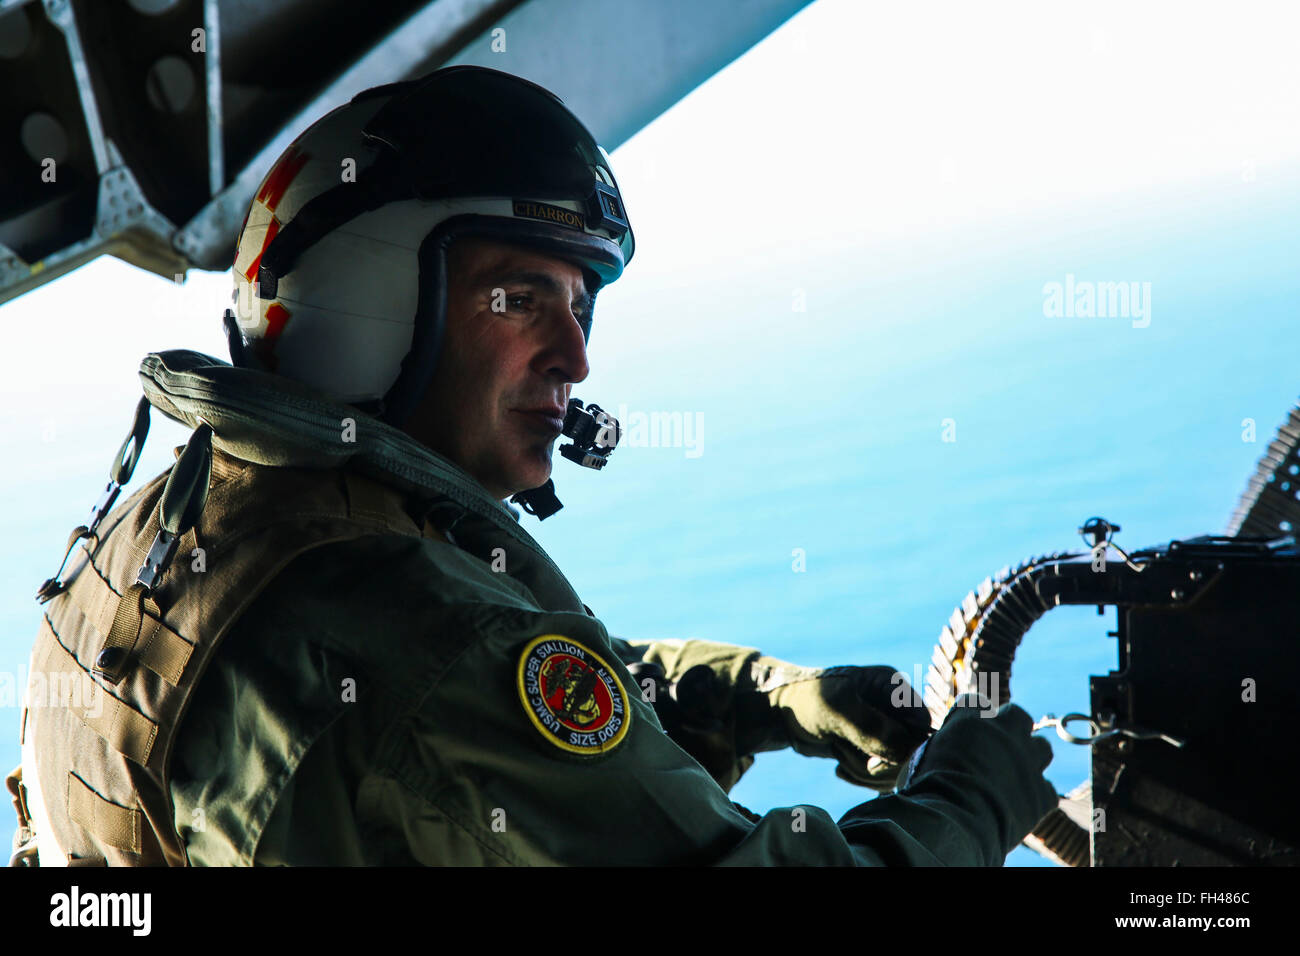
{"x":572,"y":696}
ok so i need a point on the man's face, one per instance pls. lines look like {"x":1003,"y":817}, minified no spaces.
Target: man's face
{"x":512,"y":348}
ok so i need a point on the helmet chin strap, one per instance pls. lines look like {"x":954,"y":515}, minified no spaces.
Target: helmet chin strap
{"x":595,"y":435}
{"x":539,"y":502}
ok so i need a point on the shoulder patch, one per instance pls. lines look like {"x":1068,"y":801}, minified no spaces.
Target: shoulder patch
{"x":572,"y":696}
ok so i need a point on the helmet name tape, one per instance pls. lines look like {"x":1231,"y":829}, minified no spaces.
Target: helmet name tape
{"x":545,"y":211}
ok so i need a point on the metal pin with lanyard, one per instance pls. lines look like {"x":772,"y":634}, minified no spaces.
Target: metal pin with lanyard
{"x":1096,"y":733}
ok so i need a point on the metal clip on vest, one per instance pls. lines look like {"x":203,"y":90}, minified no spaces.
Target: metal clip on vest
{"x":118,"y":476}
{"x":183,"y":499}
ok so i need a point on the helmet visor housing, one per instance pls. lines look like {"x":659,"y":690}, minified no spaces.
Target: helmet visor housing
{"x":445,"y":143}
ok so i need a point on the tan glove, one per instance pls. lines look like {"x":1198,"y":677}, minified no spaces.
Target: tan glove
{"x":868,"y":719}
{"x":722,"y":704}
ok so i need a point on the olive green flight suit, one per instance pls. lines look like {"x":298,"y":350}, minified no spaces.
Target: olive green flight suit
{"x":434,"y":759}
{"x":440,"y":697}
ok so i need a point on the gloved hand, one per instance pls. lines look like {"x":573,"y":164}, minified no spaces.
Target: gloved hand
{"x":996,"y":758}
{"x":866,"y":718}
{"x":869,"y":719}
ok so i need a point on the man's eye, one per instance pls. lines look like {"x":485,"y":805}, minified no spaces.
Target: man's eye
{"x":521,"y":301}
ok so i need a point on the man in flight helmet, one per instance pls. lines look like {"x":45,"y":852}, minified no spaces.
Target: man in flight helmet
{"x":393,"y":670}
{"x":342,"y":269}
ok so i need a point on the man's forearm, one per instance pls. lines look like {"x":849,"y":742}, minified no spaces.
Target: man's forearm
{"x":732,"y":663}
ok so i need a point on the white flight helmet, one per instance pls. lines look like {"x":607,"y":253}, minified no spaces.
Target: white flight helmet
{"x":340,"y":273}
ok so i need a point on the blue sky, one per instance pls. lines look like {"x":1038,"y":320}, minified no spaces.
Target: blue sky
{"x":843,"y":241}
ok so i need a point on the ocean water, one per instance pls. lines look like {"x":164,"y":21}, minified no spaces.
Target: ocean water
{"x":852,"y":333}
{"x":824,"y":431}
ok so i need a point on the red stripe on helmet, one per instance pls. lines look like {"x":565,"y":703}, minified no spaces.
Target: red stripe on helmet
{"x":271,"y":229}
{"x":264,"y":347}
{"x":276,"y":316}
{"x":281,"y":175}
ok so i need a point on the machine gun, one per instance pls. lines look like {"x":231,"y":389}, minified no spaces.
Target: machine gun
{"x":1186,"y":731}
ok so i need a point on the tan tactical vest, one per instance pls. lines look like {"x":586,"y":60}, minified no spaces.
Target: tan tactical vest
{"x":95,"y":780}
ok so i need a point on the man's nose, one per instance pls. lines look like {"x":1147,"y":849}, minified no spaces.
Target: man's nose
{"x":564,"y":354}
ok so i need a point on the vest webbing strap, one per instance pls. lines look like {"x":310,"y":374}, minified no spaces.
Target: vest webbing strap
{"x":106,"y":821}
{"x":18,"y":793}
{"x":160,"y":648}
{"x":77,"y":534}
{"x":130,"y":613}
{"x":128,"y":621}
{"x":127,"y":731}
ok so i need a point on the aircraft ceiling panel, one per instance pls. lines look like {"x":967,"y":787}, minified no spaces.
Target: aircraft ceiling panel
{"x":141,"y":128}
